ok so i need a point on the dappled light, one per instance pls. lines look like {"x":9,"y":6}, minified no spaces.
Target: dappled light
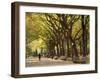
{"x":57,"y":39}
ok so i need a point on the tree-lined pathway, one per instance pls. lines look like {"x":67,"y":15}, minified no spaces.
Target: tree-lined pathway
{"x":34,"y":61}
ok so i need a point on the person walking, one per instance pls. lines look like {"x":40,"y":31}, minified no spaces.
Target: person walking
{"x":39,"y":57}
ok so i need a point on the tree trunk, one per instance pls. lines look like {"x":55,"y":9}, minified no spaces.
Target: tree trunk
{"x":63,"y":48}
{"x":68,"y":51}
{"x":80,"y":44}
{"x":83,"y":36}
{"x":58,"y":51}
{"x":74,"y":48}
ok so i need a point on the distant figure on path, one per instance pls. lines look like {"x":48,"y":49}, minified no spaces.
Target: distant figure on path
{"x":39,"y":57}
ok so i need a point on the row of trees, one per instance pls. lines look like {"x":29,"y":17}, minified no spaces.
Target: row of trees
{"x":64,"y":34}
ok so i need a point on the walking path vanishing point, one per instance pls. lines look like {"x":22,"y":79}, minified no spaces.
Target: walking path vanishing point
{"x":34,"y":61}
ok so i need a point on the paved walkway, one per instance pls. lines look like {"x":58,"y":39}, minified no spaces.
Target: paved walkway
{"x":34,"y":61}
